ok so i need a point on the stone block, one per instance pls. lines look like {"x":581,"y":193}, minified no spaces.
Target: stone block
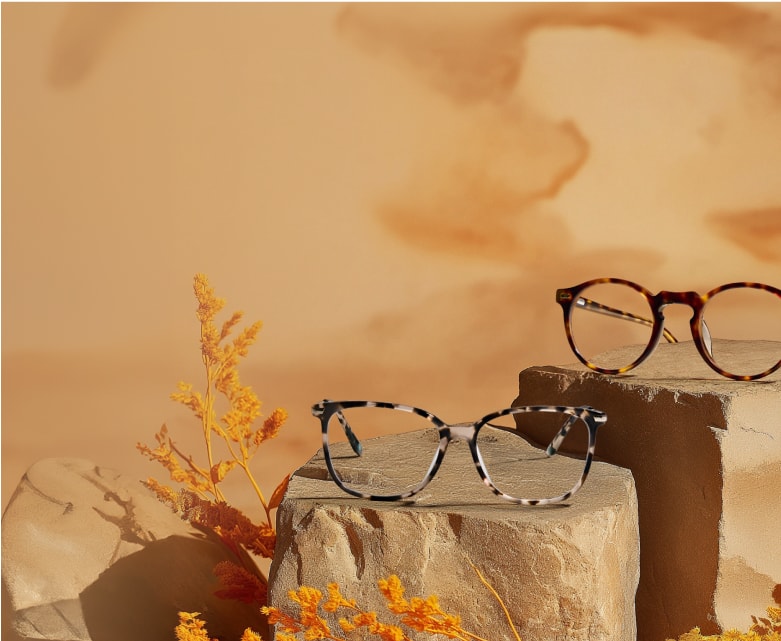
{"x":705,"y":453}
{"x":92,"y":555}
{"x":566,"y":572}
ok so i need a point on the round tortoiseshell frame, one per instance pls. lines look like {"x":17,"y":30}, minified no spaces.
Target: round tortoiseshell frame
{"x":567,"y":297}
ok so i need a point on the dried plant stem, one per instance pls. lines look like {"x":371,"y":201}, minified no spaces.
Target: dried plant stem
{"x":192,"y":465}
{"x":453,"y":635}
{"x":499,"y":599}
{"x":471,"y":636}
{"x":243,"y":463}
{"x":245,"y":466}
{"x":208,"y":422}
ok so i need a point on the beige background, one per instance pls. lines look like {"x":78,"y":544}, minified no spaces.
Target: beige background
{"x":395,"y":190}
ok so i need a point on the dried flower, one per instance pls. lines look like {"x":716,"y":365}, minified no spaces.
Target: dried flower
{"x":762,"y":629}
{"x":191,"y":628}
{"x":423,"y":615}
{"x":336,"y":600}
{"x":767,"y":626}
{"x":239,"y":583}
{"x":202,"y":501}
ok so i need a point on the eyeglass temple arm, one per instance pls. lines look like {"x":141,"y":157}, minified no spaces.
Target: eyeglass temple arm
{"x":594,"y":306}
{"x":553,"y":446}
{"x":348,"y":432}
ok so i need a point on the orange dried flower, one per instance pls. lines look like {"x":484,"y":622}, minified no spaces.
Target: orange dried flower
{"x":163,"y":492}
{"x":230,"y":523}
{"x":762,"y":629}
{"x":240,"y":584}
{"x":308,"y":600}
{"x":167,"y":454}
{"x":189,"y":399}
{"x":769,"y":625}
{"x":229,"y":324}
{"x":191,"y":628}
{"x":393,"y":591}
{"x":420,"y":614}
{"x":271,"y":426}
{"x":336,"y":600}
{"x":423,"y":615}
{"x":275,"y":616}
{"x":208,"y":307}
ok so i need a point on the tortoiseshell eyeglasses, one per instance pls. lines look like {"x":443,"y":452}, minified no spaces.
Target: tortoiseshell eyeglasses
{"x":530,"y":455}
{"x":723,"y":319}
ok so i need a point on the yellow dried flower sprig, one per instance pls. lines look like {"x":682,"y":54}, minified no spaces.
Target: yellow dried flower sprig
{"x":235,"y":427}
{"x":191,"y":628}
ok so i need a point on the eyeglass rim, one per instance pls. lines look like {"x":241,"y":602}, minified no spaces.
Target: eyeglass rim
{"x":567,"y":296}
{"x":593,"y":419}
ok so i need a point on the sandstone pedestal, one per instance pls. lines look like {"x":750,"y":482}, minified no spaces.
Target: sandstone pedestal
{"x":705,"y":453}
{"x":566,"y":572}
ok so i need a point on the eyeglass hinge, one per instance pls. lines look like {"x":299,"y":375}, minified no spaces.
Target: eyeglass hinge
{"x":563,"y":295}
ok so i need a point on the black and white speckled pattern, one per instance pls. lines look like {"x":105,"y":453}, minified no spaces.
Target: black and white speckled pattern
{"x":326,"y":410}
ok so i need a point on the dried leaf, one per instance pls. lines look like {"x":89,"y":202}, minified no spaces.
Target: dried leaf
{"x":276,"y":497}
{"x":219,"y":470}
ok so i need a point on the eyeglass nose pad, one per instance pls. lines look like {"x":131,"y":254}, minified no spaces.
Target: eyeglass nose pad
{"x":666,"y":333}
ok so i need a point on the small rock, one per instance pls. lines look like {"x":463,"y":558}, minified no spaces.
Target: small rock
{"x":91,"y":555}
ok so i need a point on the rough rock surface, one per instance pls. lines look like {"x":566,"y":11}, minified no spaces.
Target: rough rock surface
{"x":705,"y":452}
{"x":90,"y":555}
{"x":567,"y":572}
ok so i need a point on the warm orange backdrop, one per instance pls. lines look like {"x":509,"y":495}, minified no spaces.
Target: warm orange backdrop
{"x":396,"y":190}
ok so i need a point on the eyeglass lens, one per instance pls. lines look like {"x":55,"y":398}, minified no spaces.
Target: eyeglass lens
{"x":602,"y":319}
{"x":743,"y":314}
{"x":513,"y":450}
{"x":373,"y":465}
{"x":515,"y":461}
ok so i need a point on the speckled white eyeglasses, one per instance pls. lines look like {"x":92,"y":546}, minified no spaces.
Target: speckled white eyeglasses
{"x":530,"y":455}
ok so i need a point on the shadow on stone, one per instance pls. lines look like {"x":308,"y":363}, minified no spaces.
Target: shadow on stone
{"x":140,"y":595}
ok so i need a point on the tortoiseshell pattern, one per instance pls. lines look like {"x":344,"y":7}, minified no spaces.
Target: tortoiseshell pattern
{"x":466,"y":432}
{"x":570,"y":297}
